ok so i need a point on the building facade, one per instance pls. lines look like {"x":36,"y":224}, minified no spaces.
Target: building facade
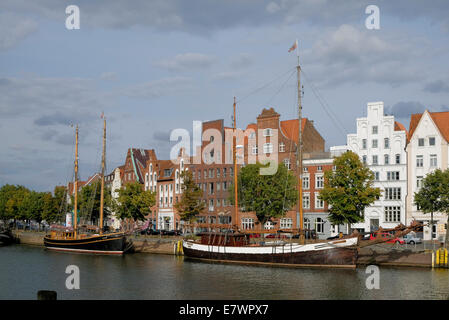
{"x":380,"y":142}
{"x":427,"y":150}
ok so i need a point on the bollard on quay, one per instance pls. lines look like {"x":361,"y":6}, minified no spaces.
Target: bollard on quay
{"x":46,"y":295}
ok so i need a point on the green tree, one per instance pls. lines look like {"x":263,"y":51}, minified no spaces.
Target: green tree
{"x":32,"y":206}
{"x":348,"y":190}
{"x":11,"y":198}
{"x":433,"y":196}
{"x":133,"y":202}
{"x":190,"y":204}
{"x":89,"y":200}
{"x":57,"y":206}
{"x":269,"y":196}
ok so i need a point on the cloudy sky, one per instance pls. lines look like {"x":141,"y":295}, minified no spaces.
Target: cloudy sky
{"x":154,"y":66}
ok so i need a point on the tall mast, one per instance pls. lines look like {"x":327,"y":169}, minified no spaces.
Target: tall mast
{"x":234,"y":147}
{"x":299,"y":156}
{"x":75,"y":210}
{"x":102,"y":176}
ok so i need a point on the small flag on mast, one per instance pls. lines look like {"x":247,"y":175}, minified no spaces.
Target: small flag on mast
{"x":294,"y":46}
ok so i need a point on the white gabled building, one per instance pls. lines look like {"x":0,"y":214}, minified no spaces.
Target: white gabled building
{"x":427,"y":150}
{"x":380,"y":142}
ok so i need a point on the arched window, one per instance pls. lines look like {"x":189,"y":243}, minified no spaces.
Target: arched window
{"x":319,"y":225}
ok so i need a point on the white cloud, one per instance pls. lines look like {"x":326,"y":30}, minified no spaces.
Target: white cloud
{"x":187,"y":61}
{"x":14,"y":29}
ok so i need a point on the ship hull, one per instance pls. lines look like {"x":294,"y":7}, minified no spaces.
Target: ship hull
{"x":286,"y":255}
{"x":115,"y":244}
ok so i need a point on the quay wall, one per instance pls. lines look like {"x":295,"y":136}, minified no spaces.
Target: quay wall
{"x":166,"y":245}
{"x":144,"y":244}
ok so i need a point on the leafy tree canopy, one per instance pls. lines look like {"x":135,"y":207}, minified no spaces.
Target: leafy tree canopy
{"x":349,"y":189}
{"x":269,"y":196}
{"x":133,"y":202}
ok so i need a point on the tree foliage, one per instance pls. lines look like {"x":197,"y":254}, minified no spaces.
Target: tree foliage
{"x":433,"y":196}
{"x":89,"y":201}
{"x":133,"y":202}
{"x":349,"y":189}
{"x":190,"y":204}
{"x":19,"y":203}
{"x":269,"y":196}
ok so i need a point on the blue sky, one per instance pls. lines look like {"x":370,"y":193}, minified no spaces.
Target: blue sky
{"x":154,"y":66}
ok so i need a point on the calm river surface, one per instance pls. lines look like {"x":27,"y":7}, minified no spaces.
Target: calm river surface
{"x":24,"y":270}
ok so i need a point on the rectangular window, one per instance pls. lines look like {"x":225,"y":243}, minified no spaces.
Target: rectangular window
{"x":364,"y":144}
{"x":387,"y":143}
{"x":319,"y":168}
{"x":224,"y":172}
{"x":218,"y":172}
{"x":267,"y":132}
{"x":386,"y":159}
{"x":319,"y":204}
{"x":319,"y":182}
{"x":305,"y":182}
{"x":375,"y":130}
{"x":364,"y":159}
{"x":286,"y":223}
{"x":392,"y":214}
{"x":267,"y":148}
{"x":374,"y":143}
{"x":287,"y":163}
{"x":419,"y":161}
{"x":398,"y":159}
{"x":431,"y":141}
{"x":392,"y":193}
{"x":375,"y":160}
{"x":421,"y":142}
{"x":393,"y":175}
{"x":306,"y":201}
{"x":254,"y":149}
{"x":247,"y":223}
{"x":282,"y":147}
{"x":376,"y":176}
{"x":433,"y":160}
{"x":419,"y":181}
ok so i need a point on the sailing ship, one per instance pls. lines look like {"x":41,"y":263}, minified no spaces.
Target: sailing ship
{"x":70,"y":239}
{"x":6,"y":237}
{"x":235,"y":246}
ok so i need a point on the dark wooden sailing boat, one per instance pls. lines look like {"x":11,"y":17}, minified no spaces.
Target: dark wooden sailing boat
{"x":236,"y":247}
{"x":71,"y":240}
{"x":6,"y":237}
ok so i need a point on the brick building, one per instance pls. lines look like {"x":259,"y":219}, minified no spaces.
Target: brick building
{"x":268,"y":138}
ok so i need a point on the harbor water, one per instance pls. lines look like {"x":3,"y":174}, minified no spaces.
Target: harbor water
{"x":24,"y":270}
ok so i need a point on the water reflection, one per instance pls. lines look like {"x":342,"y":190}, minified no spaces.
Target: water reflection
{"x":25,"y":270}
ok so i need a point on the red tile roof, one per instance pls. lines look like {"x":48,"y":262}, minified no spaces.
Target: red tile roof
{"x":441,"y":120}
{"x":290,"y":128}
{"x":400,"y":127}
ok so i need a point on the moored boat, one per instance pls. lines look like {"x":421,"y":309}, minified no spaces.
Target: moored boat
{"x":6,"y":237}
{"x":69,"y":239}
{"x":107,"y":243}
{"x":236,"y":247}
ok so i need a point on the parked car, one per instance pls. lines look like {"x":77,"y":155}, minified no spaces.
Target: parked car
{"x":411,"y":239}
{"x":170,"y":232}
{"x":385,"y":235}
{"x":149,"y":231}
